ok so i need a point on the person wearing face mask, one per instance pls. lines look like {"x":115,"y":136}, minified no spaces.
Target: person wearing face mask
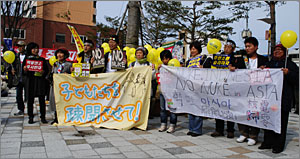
{"x":273,"y":140}
{"x":61,"y":66}
{"x":35,"y":82}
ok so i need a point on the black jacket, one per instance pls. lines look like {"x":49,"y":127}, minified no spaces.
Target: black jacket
{"x":237,"y":60}
{"x":35,"y":85}
{"x":290,"y":81}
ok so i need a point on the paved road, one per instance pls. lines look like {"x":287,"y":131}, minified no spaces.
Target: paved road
{"x":22,"y":140}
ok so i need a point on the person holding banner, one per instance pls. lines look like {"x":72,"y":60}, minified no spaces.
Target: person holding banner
{"x":251,"y":61}
{"x":108,"y":57}
{"x":35,"y":69}
{"x":61,"y":66}
{"x":196,"y":61}
{"x":141,"y":60}
{"x":228,"y":50}
{"x":273,"y":140}
{"x":165,"y":57}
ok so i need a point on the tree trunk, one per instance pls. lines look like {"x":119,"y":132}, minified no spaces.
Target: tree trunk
{"x":273,"y":25}
{"x":134,"y":21}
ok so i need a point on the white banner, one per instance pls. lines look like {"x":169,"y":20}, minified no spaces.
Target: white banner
{"x":250,"y":97}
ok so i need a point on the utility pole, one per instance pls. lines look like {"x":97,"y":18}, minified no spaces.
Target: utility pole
{"x":246,"y":32}
{"x":134,"y":21}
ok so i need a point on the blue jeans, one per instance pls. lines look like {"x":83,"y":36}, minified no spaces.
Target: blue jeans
{"x":195,"y":124}
{"x":164,"y":113}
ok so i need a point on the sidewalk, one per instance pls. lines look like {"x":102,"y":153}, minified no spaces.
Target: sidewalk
{"x":22,"y":140}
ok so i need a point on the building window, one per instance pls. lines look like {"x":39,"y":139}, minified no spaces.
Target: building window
{"x":94,"y":18}
{"x":95,"y":4}
{"x":82,"y":37}
{"x":60,"y":38}
{"x":19,"y":34}
{"x":33,"y":10}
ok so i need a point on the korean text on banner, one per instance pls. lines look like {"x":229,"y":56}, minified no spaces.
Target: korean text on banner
{"x":250,"y":97}
{"x":118,"y":100}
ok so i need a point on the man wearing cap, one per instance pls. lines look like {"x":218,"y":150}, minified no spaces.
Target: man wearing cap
{"x":113,"y":45}
{"x":229,"y":48}
{"x":17,"y":64}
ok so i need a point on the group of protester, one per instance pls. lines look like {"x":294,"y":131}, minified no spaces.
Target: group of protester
{"x":35,"y":84}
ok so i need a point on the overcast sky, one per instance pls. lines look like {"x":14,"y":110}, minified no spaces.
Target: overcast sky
{"x":287,"y":18}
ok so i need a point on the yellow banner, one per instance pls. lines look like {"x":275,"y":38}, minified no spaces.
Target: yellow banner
{"x":118,"y":100}
{"x":78,"y":41}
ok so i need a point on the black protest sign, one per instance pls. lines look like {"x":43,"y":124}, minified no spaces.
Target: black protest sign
{"x":99,"y":58}
{"x":118,"y":59}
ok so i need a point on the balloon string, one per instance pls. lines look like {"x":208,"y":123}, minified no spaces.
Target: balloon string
{"x":286,"y":57}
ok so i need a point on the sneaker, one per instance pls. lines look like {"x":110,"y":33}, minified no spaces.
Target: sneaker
{"x":171,"y":129}
{"x":216,"y":134}
{"x":189,"y":133}
{"x":251,"y":142}
{"x":19,"y":113}
{"x":241,"y":139}
{"x":230,"y":135}
{"x":162,"y":128}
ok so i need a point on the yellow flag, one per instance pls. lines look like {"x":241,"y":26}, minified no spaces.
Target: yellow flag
{"x":78,"y":41}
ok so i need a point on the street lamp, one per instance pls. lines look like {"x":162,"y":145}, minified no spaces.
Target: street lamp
{"x":268,"y":21}
{"x":246,"y":33}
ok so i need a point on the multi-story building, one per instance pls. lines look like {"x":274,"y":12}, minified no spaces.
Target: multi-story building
{"x":48,"y":23}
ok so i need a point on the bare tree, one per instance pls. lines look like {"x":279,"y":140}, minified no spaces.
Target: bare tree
{"x":16,"y":14}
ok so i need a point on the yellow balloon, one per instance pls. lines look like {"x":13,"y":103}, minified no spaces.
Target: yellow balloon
{"x":106,"y":49}
{"x":288,"y":38}
{"x":52,"y":60}
{"x":126,"y":48}
{"x":174,"y":62}
{"x":128,"y":63}
{"x":132,"y":57}
{"x":127,"y":54}
{"x":159,"y":62}
{"x":105,"y":45}
{"x":132,"y":51}
{"x":148,"y":47}
{"x":155,"y":65}
{"x":9,"y":56}
{"x":214,"y":46}
{"x":159,"y":50}
{"x":150,"y":57}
